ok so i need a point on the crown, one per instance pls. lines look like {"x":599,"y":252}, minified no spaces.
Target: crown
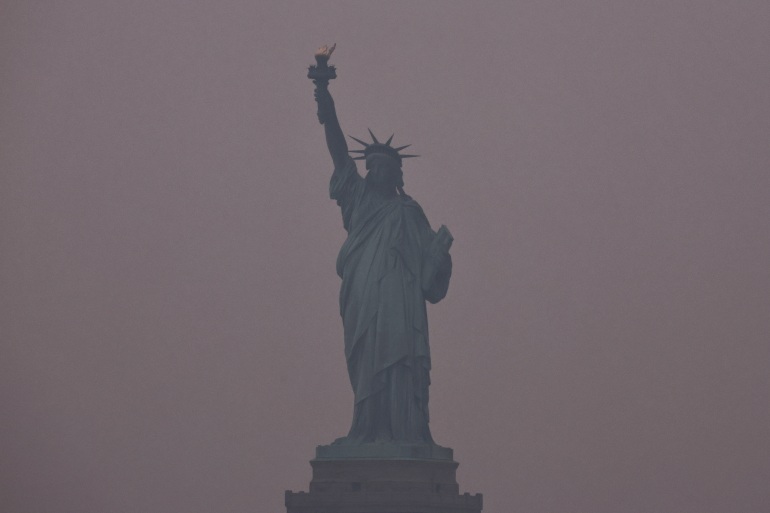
{"x":376,"y":147}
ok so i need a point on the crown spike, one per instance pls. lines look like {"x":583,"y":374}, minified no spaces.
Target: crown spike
{"x":378,"y":148}
{"x":359,"y":141}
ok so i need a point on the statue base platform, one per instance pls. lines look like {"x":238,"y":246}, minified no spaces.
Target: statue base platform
{"x":384,"y":451}
{"x":359,"y":483}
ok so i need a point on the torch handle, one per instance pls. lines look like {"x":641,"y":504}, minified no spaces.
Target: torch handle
{"x":326,"y":111}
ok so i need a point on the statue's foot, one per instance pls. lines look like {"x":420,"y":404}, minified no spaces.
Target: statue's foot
{"x":345,"y":440}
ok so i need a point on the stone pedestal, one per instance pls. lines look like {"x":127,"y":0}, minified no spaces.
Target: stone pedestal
{"x":396,"y":483}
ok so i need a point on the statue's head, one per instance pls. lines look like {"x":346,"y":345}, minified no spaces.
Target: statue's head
{"x":383,"y":162}
{"x":384,"y":171}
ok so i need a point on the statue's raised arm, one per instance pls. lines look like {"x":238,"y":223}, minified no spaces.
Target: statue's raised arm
{"x":321,"y":73}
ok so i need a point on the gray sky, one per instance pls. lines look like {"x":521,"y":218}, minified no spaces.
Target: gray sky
{"x":170,"y":331}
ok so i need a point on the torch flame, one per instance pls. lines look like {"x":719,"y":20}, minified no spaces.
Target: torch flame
{"x":325,"y":51}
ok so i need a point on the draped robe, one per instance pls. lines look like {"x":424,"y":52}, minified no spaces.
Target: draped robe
{"x":389,"y":267}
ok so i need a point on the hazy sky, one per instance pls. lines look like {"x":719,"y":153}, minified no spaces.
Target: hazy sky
{"x":171,"y":340}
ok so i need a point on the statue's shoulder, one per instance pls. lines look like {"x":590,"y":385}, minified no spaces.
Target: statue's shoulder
{"x":408,"y":201}
{"x":412,"y":206}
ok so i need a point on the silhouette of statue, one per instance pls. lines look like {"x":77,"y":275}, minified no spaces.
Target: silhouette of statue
{"x":390,"y":264}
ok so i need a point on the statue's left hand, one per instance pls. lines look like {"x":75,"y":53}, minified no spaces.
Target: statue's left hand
{"x":444,"y":237}
{"x":437,"y":266}
{"x":439,"y":248}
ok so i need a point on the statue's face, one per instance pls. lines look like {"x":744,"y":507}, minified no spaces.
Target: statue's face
{"x":384,"y":171}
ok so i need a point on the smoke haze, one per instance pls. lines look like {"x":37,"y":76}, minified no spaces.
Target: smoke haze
{"x":171,"y":338}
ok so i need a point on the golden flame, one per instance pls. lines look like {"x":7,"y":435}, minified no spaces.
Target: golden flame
{"x":325,"y":51}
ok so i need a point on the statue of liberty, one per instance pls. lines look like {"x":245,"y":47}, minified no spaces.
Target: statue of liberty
{"x":391,"y":264}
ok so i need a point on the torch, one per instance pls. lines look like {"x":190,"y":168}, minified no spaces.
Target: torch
{"x":320,"y":74}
